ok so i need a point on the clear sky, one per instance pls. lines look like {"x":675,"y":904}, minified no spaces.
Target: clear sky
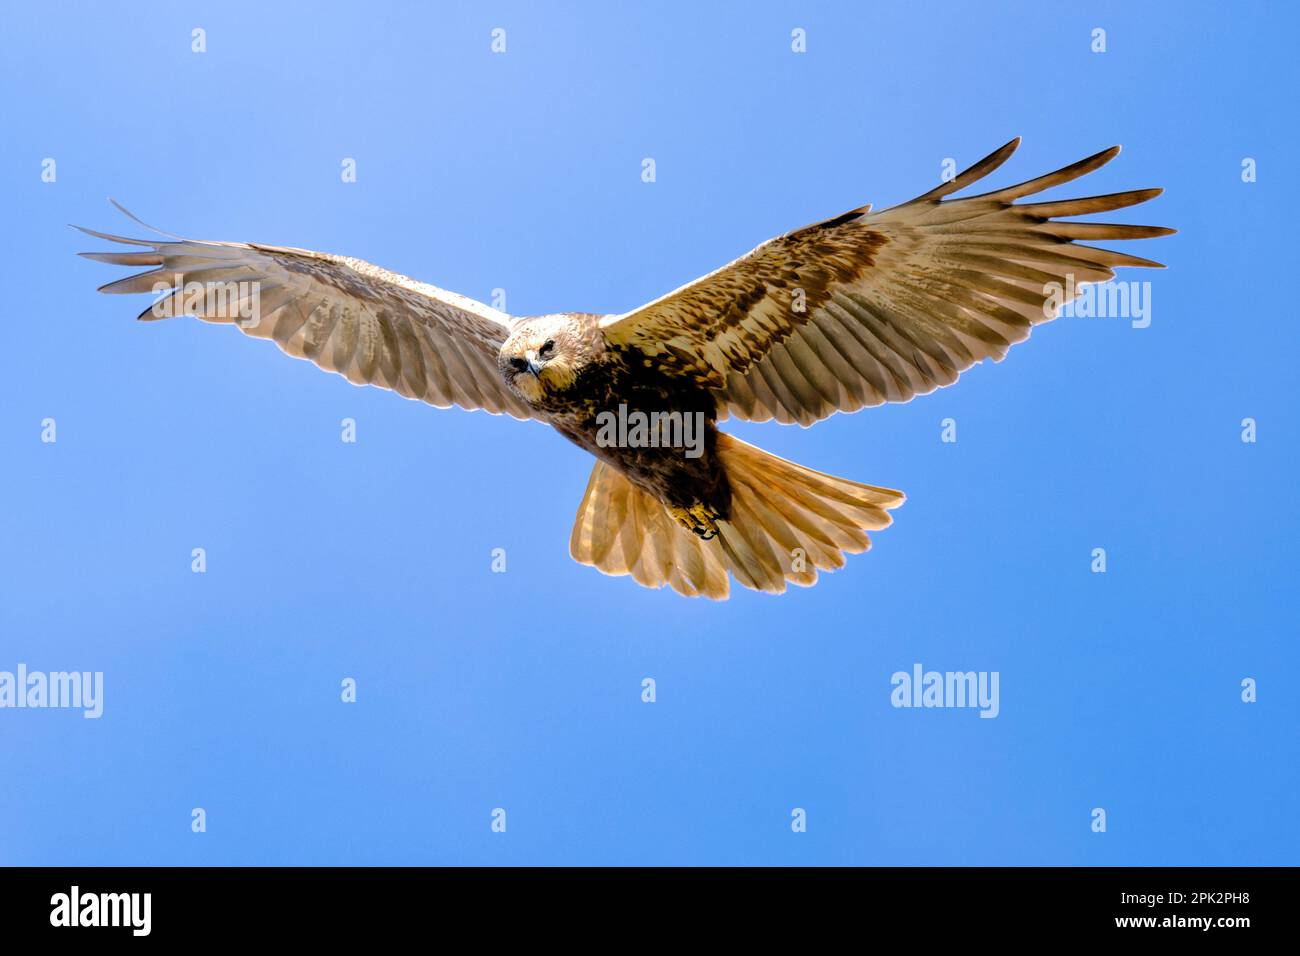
{"x":523,"y":691}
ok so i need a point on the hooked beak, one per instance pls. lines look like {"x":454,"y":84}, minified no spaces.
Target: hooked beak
{"x":533,"y":365}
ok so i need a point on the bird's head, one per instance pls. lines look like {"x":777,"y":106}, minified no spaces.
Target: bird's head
{"x":544,"y":355}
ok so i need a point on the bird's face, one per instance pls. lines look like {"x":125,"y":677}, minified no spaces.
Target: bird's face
{"x":543,"y":356}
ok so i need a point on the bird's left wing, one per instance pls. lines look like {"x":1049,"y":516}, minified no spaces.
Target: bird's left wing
{"x":870,"y":308}
{"x":347,"y":316}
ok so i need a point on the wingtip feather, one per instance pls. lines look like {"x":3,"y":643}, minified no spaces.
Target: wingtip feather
{"x":134,"y":218}
{"x":972,"y":173}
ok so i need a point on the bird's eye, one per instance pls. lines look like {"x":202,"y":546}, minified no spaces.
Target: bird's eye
{"x":518,"y":364}
{"x":547,"y":349}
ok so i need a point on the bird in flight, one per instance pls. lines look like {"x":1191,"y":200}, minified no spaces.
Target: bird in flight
{"x":858,"y":310}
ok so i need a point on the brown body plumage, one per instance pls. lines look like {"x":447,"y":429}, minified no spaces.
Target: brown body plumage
{"x":588,"y":378}
{"x":853,"y":311}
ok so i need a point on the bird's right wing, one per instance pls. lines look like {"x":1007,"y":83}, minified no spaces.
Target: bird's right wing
{"x":347,"y":316}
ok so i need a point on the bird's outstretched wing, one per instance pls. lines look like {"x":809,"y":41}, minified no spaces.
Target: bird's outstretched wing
{"x":870,"y":308}
{"x":371,"y":326}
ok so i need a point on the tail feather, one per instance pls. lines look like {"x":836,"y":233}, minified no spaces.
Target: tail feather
{"x":806,"y":520}
{"x":817,"y":542}
{"x":787,"y":522}
{"x":611,"y":534}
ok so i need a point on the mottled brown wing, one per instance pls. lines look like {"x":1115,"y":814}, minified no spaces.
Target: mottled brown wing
{"x":870,"y":308}
{"x":371,"y":326}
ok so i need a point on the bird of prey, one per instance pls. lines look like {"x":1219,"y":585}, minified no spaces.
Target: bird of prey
{"x":857,"y":310}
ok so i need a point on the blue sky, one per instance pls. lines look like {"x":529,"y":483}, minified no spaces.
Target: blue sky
{"x":522,"y":690}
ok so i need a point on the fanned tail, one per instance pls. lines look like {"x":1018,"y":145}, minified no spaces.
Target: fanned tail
{"x":787,"y":522}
